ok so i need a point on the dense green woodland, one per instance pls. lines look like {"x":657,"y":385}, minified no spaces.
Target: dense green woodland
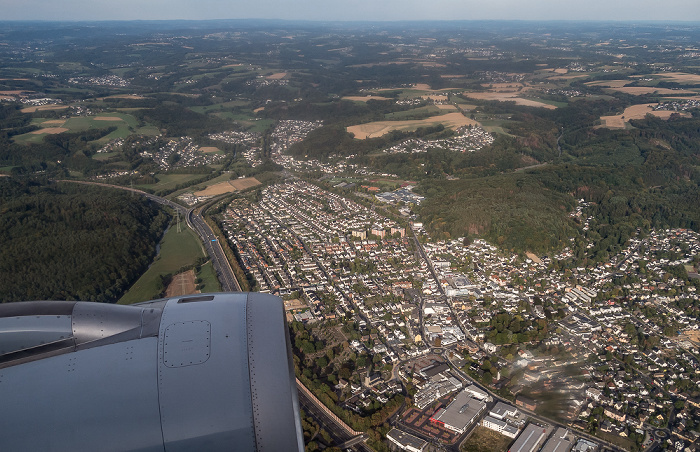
{"x":642,"y":178}
{"x":73,"y":242}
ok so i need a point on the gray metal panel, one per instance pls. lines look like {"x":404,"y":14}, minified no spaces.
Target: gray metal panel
{"x":23,"y":332}
{"x":93,"y":321}
{"x":22,"y":308}
{"x":187,"y":343}
{"x":273,"y":386}
{"x":104,"y":398}
{"x":207,"y":406}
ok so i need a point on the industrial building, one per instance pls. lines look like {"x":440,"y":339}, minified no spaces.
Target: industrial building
{"x":406,"y":441}
{"x":503,"y":410}
{"x":460,"y":414}
{"x":559,"y":442}
{"x":529,"y":440}
{"x":500,"y":426}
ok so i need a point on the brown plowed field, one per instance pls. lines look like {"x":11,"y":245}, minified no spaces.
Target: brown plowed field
{"x":182,"y":284}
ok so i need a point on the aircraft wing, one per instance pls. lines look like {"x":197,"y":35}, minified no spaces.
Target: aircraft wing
{"x":209,"y":372}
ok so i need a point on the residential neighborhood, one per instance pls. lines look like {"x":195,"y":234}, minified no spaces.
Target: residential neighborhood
{"x":618,"y":342}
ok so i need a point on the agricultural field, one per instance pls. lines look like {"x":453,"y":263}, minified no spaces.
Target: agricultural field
{"x":228,"y":187}
{"x":365,"y":98}
{"x":169,"y":181}
{"x":182,"y":284}
{"x":126,"y":124}
{"x":638,"y":111}
{"x":508,"y":96}
{"x":43,"y":108}
{"x":379,"y":128}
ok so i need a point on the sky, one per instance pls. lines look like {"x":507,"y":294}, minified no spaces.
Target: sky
{"x":352,"y":10}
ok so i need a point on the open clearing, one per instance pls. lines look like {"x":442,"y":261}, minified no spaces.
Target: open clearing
{"x":107,"y":118}
{"x":125,"y":96}
{"x":181,"y":284}
{"x":638,"y":111}
{"x":49,"y":130}
{"x":125,"y":124}
{"x":504,"y":87}
{"x":209,"y":149}
{"x":639,"y":90}
{"x":446,"y":107}
{"x":43,"y":108}
{"x":483,"y":439}
{"x":567,"y":76}
{"x":379,"y":128}
{"x":53,"y":123}
{"x":619,"y":85}
{"x":609,"y":83}
{"x":691,"y":335}
{"x":435,"y":97}
{"x":277,"y":76}
{"x":509,"y":97}
{"x":681,"y":77}
{"x":177,"y":250}
{"x":365,"y":98}
{"x":229,"y":186}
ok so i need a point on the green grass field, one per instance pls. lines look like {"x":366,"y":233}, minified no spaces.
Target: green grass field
{"x":176,"y":251}
{"x":218,"y":107}
{"x":169,"y":181}
{"x":126,"y":124}
{"x":104,"y":156}
{"x":209,"y":281}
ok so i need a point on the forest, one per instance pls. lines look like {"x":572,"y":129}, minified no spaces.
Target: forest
{"x":65,"y":241}
{"x":641,"y":178}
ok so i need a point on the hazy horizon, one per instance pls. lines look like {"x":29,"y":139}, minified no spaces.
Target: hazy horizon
{"x":360,"y":10}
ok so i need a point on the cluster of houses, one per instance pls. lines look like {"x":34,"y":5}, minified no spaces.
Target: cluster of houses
{"x":468,"y":139}
{"x":181,"y":152}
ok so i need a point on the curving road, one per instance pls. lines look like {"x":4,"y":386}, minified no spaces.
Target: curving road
{"x":221,"y":265}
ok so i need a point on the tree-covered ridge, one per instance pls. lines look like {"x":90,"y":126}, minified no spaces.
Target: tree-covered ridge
{"x":73,"y":242}
{"x":514,"y":210}
{"x":646,"y":177}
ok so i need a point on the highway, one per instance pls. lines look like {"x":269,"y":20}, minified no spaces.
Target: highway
{"x":222,"y":266}
{"x":229,"y":283}
{"x":196,"y":222}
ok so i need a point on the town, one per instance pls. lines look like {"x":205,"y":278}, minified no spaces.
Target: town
{"x":459,"y":323}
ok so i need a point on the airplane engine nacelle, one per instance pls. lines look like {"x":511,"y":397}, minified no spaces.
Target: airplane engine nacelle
{"x":209,"y":372}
